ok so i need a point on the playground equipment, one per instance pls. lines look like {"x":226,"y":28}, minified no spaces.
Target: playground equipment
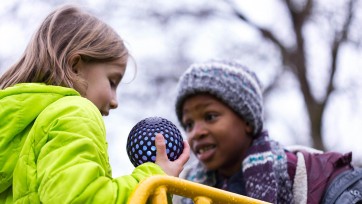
{"x":155,"y":189}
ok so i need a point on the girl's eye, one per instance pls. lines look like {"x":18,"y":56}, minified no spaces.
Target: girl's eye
{"x":112,"y":83}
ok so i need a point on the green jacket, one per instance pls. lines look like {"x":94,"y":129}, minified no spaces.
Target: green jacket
{"x":53,"y":149}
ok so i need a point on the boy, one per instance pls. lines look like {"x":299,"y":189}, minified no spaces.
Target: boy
{"x":220,"y":107}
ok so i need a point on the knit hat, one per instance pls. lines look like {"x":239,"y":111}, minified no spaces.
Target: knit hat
{"x":229,"y":81}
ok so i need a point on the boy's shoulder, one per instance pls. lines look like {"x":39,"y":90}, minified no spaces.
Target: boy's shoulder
{"x":345,"y":188}
{"x":326,"y":177}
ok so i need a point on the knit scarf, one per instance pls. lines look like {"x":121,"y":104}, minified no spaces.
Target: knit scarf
{"x":264,"y":169}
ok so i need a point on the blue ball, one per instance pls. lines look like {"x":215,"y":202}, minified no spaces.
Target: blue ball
{"x":141,"y":140}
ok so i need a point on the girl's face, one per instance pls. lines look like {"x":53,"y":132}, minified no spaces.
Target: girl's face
{"x":102,"y":80}
{"x":217,"y":135}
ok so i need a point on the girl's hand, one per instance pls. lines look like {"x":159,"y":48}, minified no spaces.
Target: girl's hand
{"x":171,"y":168}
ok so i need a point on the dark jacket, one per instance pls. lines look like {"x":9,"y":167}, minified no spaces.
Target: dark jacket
{"x":318,"y":172}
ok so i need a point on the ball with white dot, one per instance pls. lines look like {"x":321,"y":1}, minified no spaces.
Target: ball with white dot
{"x":141,"y":140}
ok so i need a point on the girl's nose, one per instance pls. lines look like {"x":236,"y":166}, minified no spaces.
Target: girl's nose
{"x":114,"y":102}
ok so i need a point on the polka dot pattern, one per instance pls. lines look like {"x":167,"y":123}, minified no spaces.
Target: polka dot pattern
{"x":141,"y":140}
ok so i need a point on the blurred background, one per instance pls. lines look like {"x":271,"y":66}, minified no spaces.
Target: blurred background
{"x":307,"y":53}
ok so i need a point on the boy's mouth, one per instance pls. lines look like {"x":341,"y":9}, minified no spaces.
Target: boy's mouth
{"x":204,"y":149}
{"x":205,"y":152}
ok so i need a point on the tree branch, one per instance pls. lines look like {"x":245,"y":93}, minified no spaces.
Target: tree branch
{"x":267,"y":34}
{"x":339,"y":39}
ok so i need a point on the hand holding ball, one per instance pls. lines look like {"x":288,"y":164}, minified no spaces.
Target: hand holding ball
{"x":141,"y":140}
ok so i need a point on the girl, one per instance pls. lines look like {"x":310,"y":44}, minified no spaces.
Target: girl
{"x":53,"y":145}
{"x":220,"y":106}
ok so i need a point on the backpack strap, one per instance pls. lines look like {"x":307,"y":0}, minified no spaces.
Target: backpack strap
{"x":345,"y":187}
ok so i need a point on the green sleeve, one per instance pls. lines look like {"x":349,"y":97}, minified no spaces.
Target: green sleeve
{"x":65,"y":160}
{"x":119,"y":189}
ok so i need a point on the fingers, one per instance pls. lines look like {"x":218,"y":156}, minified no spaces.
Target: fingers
{"x":161,"y":154}
{"x":184,"y":157}
{"x":171,"y":168}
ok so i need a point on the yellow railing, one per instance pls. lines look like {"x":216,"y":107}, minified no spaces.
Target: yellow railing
{"x":155,"y":189}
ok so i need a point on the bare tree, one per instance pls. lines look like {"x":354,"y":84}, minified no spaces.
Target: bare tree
{"x":294,"y":57}
{"x":295,"y":60}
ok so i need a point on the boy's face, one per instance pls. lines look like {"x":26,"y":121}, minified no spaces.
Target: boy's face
{"x":217,"y":136}
{"x":102,"y":80}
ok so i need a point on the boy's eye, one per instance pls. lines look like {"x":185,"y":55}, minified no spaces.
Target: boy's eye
{"x":210,"y":116}
{"x":187,"y":126}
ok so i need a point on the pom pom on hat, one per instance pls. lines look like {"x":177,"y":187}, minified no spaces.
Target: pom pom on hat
{"x":229,"y":81}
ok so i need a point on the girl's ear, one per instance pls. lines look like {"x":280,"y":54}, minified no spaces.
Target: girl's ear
{"x":76,"y":63}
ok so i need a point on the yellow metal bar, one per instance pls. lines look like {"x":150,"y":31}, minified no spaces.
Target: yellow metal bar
{"x":202,"y":200}
{"x":160,"y":195}
{"x":184,"y":188}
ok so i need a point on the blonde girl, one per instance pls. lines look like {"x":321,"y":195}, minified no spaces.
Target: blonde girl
{"x":53,"y":146}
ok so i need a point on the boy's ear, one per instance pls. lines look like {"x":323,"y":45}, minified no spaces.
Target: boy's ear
{"x":248,"y":128}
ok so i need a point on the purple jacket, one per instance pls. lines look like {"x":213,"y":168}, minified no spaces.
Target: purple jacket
{"x":312,"y":179}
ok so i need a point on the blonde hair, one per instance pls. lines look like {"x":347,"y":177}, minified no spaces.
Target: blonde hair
{"x":66,"y":36}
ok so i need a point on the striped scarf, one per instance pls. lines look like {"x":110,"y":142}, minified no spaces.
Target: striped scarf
{"x":266,"y":172}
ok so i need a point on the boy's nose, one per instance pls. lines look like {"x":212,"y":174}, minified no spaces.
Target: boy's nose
{"x":199,"y":131}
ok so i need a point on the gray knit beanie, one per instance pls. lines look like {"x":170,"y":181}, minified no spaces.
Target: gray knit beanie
{"x":229,"y":81}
